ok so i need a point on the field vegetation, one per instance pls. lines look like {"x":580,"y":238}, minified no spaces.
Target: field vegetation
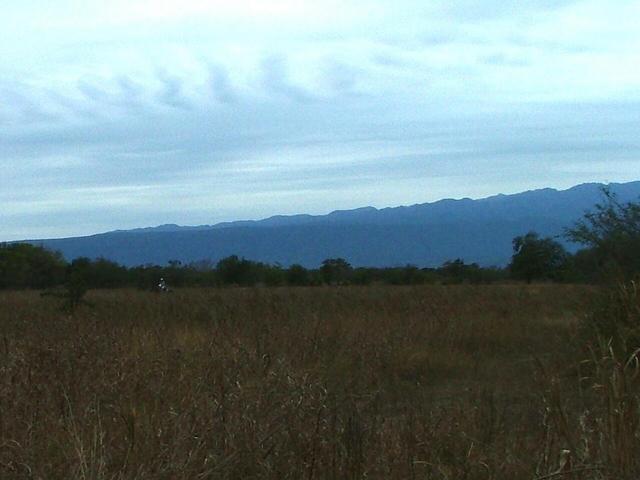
{"x":447,"y":382}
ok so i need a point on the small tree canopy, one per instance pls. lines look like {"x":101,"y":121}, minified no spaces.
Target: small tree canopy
{"x":536,"y":258}
{"x":336,"y":271}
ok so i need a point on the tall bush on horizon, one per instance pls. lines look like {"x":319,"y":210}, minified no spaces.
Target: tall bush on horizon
{"x":612,"y":232}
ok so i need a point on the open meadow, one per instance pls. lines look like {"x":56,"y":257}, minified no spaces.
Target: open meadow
{"x":429,"y":382}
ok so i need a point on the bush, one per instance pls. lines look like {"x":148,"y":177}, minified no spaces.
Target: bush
{"x":612,"y":233}
{"x":536,"y":258}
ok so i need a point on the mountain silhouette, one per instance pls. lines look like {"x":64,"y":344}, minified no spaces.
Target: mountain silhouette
{"x":425,"y":234}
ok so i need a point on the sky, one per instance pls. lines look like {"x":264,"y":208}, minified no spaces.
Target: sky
{"x":131,"y":113}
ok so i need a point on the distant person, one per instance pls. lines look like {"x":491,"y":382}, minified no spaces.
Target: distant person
{"x":162,"y":286}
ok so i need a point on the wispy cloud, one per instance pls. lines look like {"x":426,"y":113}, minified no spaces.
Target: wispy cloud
{"x":275,"y":78}
{"x":221,"y":87}
{"x":172,"y":93}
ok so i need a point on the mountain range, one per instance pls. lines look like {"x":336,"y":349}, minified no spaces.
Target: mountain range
{"x":425,"y":234}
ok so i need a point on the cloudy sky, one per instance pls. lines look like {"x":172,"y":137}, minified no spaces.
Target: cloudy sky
{"x":130,"y":113}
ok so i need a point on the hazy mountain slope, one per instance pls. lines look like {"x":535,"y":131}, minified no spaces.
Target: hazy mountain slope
{"x":565,"y":205}
{"x":427,"y":234}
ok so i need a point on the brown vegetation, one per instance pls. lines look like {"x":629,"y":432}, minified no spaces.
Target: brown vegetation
{"x":457,"y":382}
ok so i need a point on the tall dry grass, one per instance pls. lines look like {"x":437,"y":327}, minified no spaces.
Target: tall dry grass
{"x":467,"y":382}
{"x":597,"y":415}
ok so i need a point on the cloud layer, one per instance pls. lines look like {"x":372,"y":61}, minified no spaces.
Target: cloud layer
{"x":125,"y":114}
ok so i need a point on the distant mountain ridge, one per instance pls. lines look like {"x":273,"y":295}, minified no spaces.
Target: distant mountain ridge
{"x":423,"y":234}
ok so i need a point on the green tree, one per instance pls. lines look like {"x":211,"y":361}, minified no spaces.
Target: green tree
{"x":456,"y":271}
{"x":297,"y":275}
{"x":75,"y":289}
{"x":23,"y":265}
{"x":336,"y":271}
{"x":272,"y":275}
{"x":363,"y":276}
{"x":109,"y":274}
{"x":612,"y":232}
{"x":536,"y":258}
{"x":237,"y":271}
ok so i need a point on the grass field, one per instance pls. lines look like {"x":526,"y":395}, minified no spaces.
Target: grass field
{"x":433,"y":382}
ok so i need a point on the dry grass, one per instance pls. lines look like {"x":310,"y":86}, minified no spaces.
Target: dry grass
{"x":326,"y":383}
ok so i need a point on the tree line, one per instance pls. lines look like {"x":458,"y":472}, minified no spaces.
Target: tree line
{"x":25,"y":266}
{"x":610,"y":236}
